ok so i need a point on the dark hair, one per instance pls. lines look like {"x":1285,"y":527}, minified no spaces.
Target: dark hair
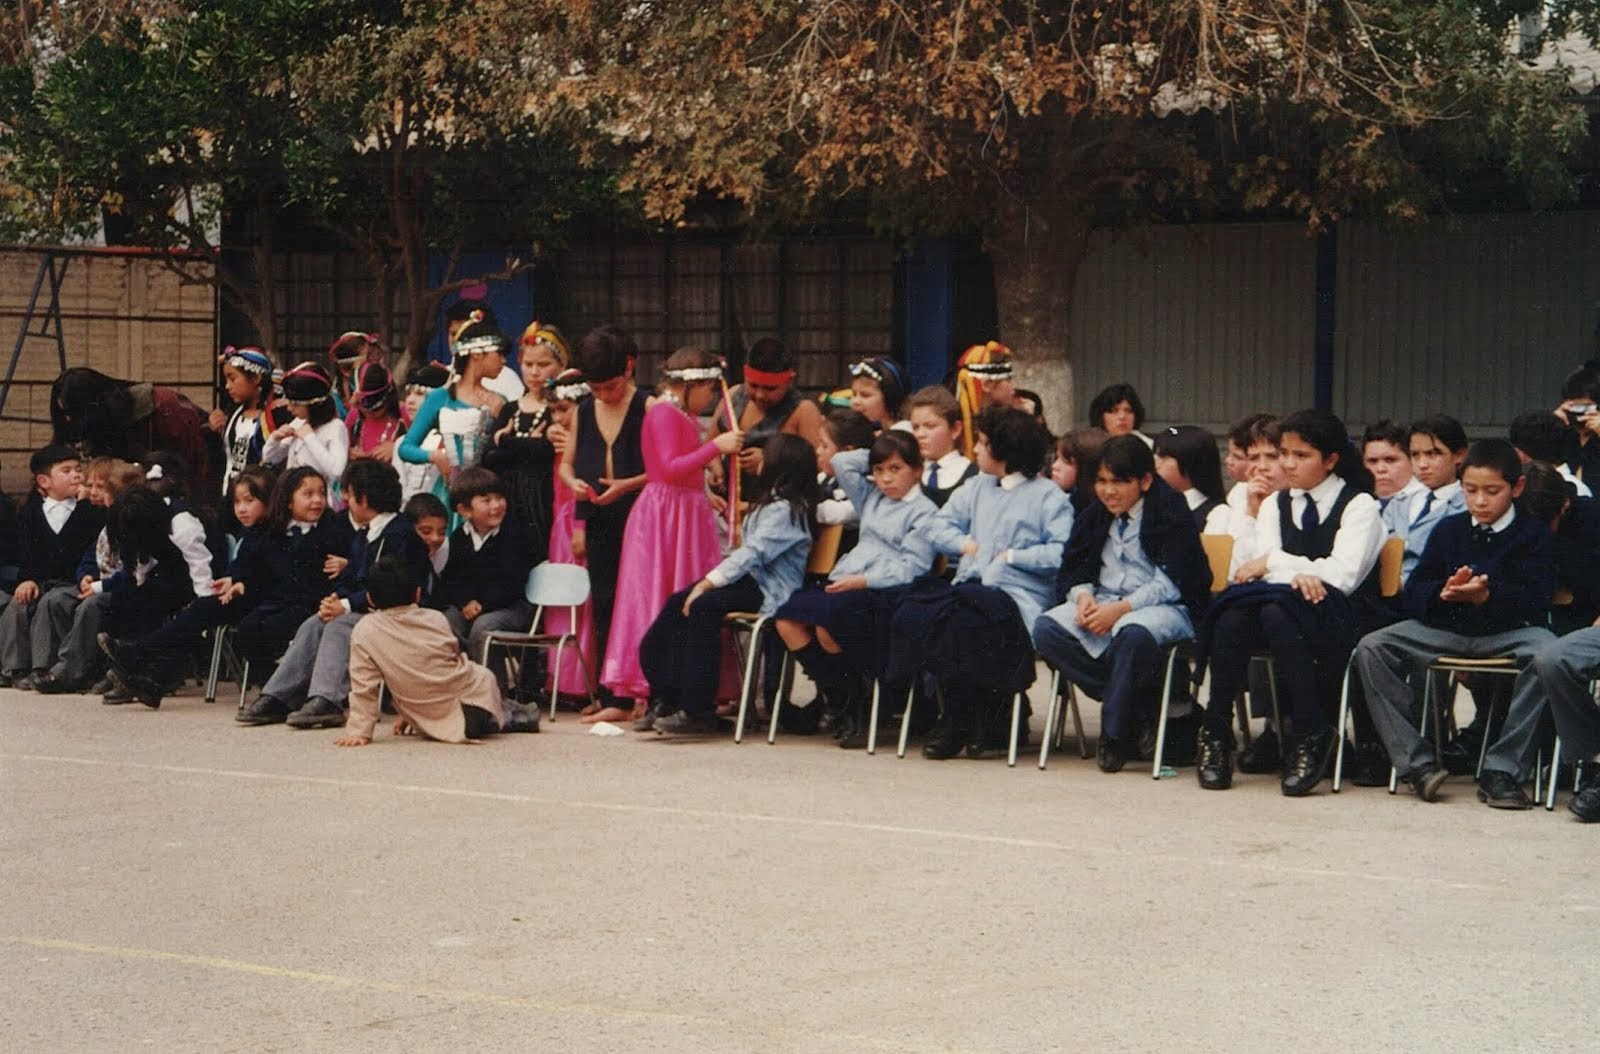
{"x":849,"y":429}
{"x":890,"y":380}
{"x":789,"y":474}
{"x":1252,"y":428}
{"x":770,"y":355}
{"x":1446,"y":430}
{"x":1126,"y":457}
{"x":374,"y":482}
{"x":1326,"y":434}
{"x":393,"y":582}
{"x":937,"y":399}
{"x":310,"y":383}
{"x":1541,"y":435}
{"x":1195,"y":451}
{"x":1038,"y":405}
{"x":425,"y":505}
{"x":892,"y":442}
{"x":427,"y":375}
{"x":1581,"y":383}
{"x":139,"y":525}
{"x":461,"y":311}
{"x":1388,"y":431}
{"x":173,"y":481}
{"x":1014,"y":438}
{"x":374,"y":390}
{"x":259,"y":479}
{"x":1546,"y":493}
{"x":48,"y":458}
{"x":472,"y":483}
{"x":1082,"y":447}
{"x":279,"y":508}
{"x":1108,"y":399}
{"x":605,"y":352}
{"x":1496,"y":454}
{"x":88,"y":407}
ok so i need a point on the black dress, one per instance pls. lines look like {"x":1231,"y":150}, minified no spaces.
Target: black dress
{"x":525,"y":462}
{"x":604,"y":524}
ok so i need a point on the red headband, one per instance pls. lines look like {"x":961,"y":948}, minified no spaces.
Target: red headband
{"x":771,"y":380}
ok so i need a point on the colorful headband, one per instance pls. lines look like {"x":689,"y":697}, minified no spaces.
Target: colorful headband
{"x":370,"y":397}
{"x":480,"y":344}
{"x":690,"y":374}
{"x":370,"y":340}
{"x":981,"y":362}
{"x":568,"y":386}
{"x":878,"y":369}
{"x":548,"y":336}
{"x":770,"y":379}
{"x":309,"y":372}
{"x":249,"y":360}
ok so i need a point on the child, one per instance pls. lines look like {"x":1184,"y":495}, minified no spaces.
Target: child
{"x":432,"y":523}
{"x":604,"y":467}
{"x":679,"y":653}
{"x":1266,"y":480}
{"x":1118,"y":410}
{"x":410,"y":650}
{"x":316,"y":438}
{"x":152,"y":584}
{"x":1009,"y":526}
{"x":1237,"y":461}
{"x":422,"y":477}
{"x":247,"y":379}
{"x":671,"y":537}
{"x":484,"y":581}
{"x":572,"y":679}
{"x":841,"y":430}
{"x":1133,"y":579}
{"x":54,"y":530}
{"x":522,"y":455}
{"x":1437,"y":446}
{"x":835,"y":630}
{"x":1574,"y":524}
{"x":374,"y":418}
{"x":312,"y":681}
{"x":1580,"y":392}
{"x":1186,"y":457}
{"x":1482,"y":588}
{"x":1386,"y":453}
{"x":346,"y":356}
{"x":463,"y":412}
{"x":983,"y":378}
{"x":1077,"y":465}
{"x":877,"y":388}
{"x":1540,"y":435}
{"x":935,"y":417}
{"x":1316,"y":545}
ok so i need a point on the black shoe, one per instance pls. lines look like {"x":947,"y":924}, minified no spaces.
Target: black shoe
{"x":993,"y":731}
{"x":800,"y":720}
{"x":102,"y":686}
{"x":25,"y":682}
{"x":145,"y":690}
{"x":684,"y":723}
{"x":266,"y":710}
{"x":1309,"y":759}
{"x":1585,"y":804}
{"x":1263,"y":755}
{"x":652,"y":714}
{"x":1502,"y":791}
{"x":521,"y":719}
{"x":943,"y":746}
{"x":1111,"y":755}
{"x":1214,"y":763}
{"x":1460,"y":758}
{"x":9,"y":680}
{"x":1426,"y":781}
{"x":118,"y":695}
{"x":1369,"y":766}
{"x":50,"y":684}
{"x":108,"y":647}
{"x":317,"y":713}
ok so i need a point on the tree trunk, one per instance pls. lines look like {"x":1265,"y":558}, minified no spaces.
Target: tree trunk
{"x":1036,"y":253}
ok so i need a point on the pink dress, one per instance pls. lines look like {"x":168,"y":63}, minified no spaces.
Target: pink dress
{"x":669,"y":544}
{"x":569,"y":680}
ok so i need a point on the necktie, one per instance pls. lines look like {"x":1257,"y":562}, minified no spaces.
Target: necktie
{"x":1383,"y":503}
{"x":1122,"y":525}
{"x":931,"y":477}
{"x":1427,"y":503}
{"x":1309,"y":521}
{"x":1480,"y":534}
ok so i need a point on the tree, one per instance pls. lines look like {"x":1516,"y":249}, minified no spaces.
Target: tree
{"x":1033,"y":122}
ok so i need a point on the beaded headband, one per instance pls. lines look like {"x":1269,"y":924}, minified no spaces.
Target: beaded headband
{"x":568,"y":387}
{"x":480,"y":344}
{"x":249,"y":360}
{"x":690,"y":374}
{"x":992,"y":371}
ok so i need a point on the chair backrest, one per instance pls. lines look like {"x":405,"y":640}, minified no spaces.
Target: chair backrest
{"x":1219,"y":554}
{"x":557,"y":585}
{"x":1390,"y":559}
{"x":825,"y":549}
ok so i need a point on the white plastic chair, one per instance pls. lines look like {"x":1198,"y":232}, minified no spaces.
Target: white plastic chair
{"x":550,"y":585}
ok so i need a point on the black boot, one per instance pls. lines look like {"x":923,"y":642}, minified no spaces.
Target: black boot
{"x":951,"y":734}
{"x":1308,"y":762}
{"x":1214,"y":766}
{"x":858,"y":719}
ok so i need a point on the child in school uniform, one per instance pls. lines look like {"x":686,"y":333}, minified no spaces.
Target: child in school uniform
{"x":1482,"y":588}
{"x":1009,"y":527}
{"x":315,"y":438}
{"x":877,"y":388}
{"x":1076,"y":465}
{"x":1386,"y":453}
{"x":412,"y":651}
{"x":680,"y":651}
{"x":54,"y":530}
{"x":485,"y":579}
{"x":1315,"y":547}
{"x":836,"y":631}
{"x":1574,"y":524}
{"x":1436,"y":446}
{"x":1540,"y":435}
{"x":1133,"y":579}
{"x":935,"y":418}
{"x":841,"y":430}
{"x":1187,"y":459}
{"x":431,"y":520}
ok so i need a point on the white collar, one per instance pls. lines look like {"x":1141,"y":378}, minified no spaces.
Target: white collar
{"x":379,"y":522}
{"x":1448,"y":491}
{"x":1503,"y":522}
{"x":953,"y":458}
{"x":1136,"y":513}
{"x":440,"y":557}
{"x":1012,"y":480}
{"x":1193,"y":496}
{"x":478,"y":540}
{"x":60,"y":503}
{"x":304,"y":525}
{"x":1327,"y":490}
{"x":1413,"y":487}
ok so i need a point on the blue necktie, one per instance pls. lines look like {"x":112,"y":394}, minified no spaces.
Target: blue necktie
{"x":1309,"y":521}
{"x":1427,"y":503}
{"x":1122,"y":525}
{"x":931,"y":477}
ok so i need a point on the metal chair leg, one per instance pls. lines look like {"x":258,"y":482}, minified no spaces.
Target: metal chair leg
{"x":1016,"y":724}
{"x":1050,"y":712}
{"x":1344,"y":722}
{"x":872,"y":721}
{"x":905,"y":719}
{"x":218,"y":636}
{"x":1077,"y":723}
{"x":1161,"y":718}
{"x":786,"y":667}
{"x":244,"y":682}
{"x":1555,"y":767}
{"x":748,"y":687}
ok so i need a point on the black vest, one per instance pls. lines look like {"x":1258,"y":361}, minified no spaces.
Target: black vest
{"x":1318,"y":544}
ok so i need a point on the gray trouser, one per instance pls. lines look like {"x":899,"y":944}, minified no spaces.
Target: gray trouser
{"x":79,"y":658}
{"x":515,"y":619}
{"x":1556,"y":683}
{"x":317,"y":664}
{"x":1389,"y":657}
{"x":30,"y":634}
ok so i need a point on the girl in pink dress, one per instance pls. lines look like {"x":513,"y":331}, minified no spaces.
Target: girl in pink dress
{"x":671,"y":539}
{"x":564,"y":392}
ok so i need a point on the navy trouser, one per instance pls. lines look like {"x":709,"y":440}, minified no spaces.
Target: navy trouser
{"x":681,"y":655}
{"x":1125,"y":677}
{"x":1308,"y":685}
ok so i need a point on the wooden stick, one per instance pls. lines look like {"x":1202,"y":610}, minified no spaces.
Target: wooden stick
{"x":733,"y":466}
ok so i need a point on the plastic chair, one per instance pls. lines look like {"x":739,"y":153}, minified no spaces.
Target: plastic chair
{"x":550,"y":585}
{"x":824,"y":554}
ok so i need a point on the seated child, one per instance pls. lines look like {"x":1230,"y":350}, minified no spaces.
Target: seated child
{"x":412,"y":651}
{"x":1540,"y":435}
{"x":835,"y":630}
{"x":1186,"y":457}
{"x":1118,"y":409}
{"x":1574,"y":524}
{"x":432,"y":522}
{"x":1437,"y":446}
{"x":54,"y":530}
{"x":1481,"y":589}
{"x":1076,"y":465}
{"x":841,"y":430}
{"x":1009,"y":526}
{"x":483,"y":587}
{"x":1132,"y":581}
{"x":936,"y":425}
{"x":1386,"y":453}
{"x":1580,"y":394}
{"x":312,"y":681}
{"x":679,"y":652}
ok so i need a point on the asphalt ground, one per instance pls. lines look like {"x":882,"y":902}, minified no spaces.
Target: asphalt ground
{"x":174,"y":882}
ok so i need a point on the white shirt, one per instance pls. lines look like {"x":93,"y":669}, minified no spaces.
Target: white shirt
{"x":1355,"y":546}
{"x":1440,"y":496}
{"x":440,"y":556}
{"x":1582,"y":488}
{"x":506,"y":384}
{"x":1012,"y":480}
{"x":300,"y":527}
{"x":479,"y":540}
{"x":947,"y":470}
{"x":1503,"y":522}
{"x":57,"y":513}
{"x":376,"y":525}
